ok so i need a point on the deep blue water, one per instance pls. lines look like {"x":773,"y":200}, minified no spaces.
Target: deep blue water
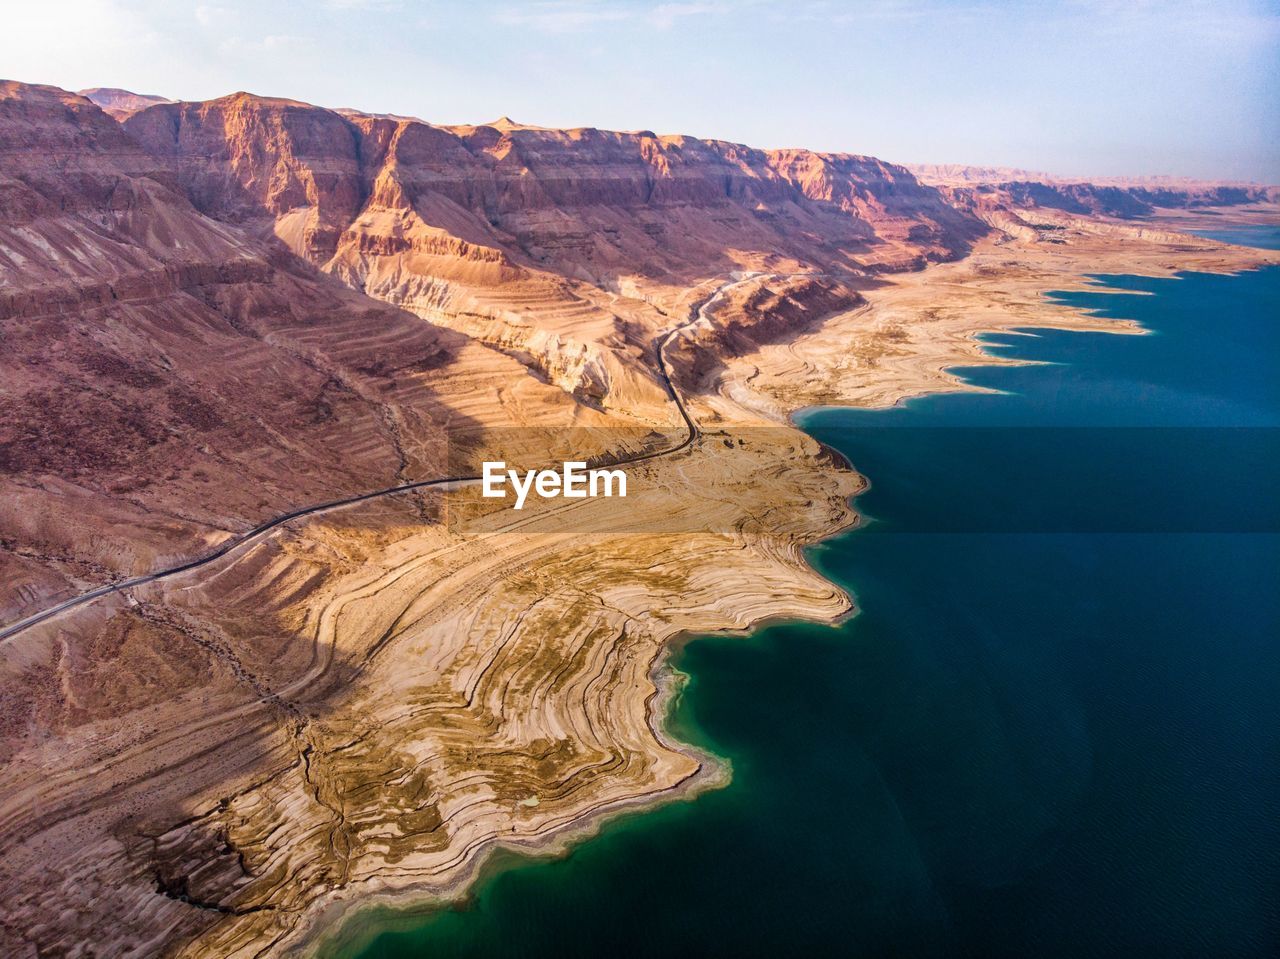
{"x":1053,"y":729}
{"x":1267,"y":237}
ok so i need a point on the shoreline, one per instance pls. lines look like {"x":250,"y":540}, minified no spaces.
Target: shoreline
{"x":327,"y":933}
{"x":712,"y":772}
{"x":407,"y":697}
{"x":387,"y":693}
{"x":963,"y":675}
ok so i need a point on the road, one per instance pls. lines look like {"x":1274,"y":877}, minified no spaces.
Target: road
{"x":661,"y":342}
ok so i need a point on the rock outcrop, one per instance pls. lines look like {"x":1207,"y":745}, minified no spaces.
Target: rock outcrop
{"x":169,"y":379}
{"x":216,"y":313}
{"x":518,"y":236}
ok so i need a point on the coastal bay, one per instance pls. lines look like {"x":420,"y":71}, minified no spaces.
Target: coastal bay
{"x":1043,"y":715}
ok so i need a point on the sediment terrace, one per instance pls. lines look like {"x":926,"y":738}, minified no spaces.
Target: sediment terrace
{"x":377,"y":702}
{"x":366,"y":703}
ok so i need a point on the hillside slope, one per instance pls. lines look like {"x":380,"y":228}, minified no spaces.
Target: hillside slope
{"x":168,"y":378}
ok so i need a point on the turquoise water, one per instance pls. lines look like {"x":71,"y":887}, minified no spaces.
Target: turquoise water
{"x":1053,"y":730}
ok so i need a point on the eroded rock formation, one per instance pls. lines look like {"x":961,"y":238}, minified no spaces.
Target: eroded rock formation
{"x":218,"y":312}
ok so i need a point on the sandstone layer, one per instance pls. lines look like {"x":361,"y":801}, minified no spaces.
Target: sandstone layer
{"x":219,"y":312}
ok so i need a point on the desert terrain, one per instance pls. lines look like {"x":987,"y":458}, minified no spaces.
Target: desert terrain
{"x":227,"y":323}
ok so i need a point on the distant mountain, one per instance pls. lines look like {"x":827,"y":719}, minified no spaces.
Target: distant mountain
{"x":121,"y":103}
{"x":975,"y":187}
{"x":952,"y":174}
{"x":955,"y":174}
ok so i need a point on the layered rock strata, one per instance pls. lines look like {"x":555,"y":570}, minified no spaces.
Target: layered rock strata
{"x":219,"y":312}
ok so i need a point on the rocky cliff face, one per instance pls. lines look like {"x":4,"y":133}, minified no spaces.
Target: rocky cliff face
{"x":168,"y":378}
{"x":568,"y":199}
{"x":1093,"y":199}
{"x":169,"y":256}
{"x":241,"y":157}
{"x":198,"y":312}
{"x":171,"y":332}
{"x":521,"y":237}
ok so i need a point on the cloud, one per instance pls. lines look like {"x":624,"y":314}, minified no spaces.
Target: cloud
{"x":562,"y":16}
{"x":1242,"y":23}
{"x":575,"y":16}
{"x":665,"y":15}
{"x":876,"y":12}
{"x":75,"y":37}
{"x":210,"y":15}
{"x":363,"y":5}
{"x":270,"y":43}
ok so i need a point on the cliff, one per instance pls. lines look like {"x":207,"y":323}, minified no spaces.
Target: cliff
{"x":497,"y":186}
{"x":202,"y":328}
{"x":522,"y":237}
{"x":168,"y":378}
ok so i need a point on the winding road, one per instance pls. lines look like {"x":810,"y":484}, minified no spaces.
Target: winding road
{"x":661,"y":342}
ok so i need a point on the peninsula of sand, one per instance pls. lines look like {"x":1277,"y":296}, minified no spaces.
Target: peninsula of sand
{"x":267,"y":654}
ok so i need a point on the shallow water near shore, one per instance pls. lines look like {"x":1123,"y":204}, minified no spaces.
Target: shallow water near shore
{"x":1052,"y":730}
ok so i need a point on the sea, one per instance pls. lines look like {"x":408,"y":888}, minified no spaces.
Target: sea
{"x":1051,"y":730}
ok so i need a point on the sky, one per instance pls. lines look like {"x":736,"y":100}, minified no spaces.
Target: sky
{"x":1081,"y":87}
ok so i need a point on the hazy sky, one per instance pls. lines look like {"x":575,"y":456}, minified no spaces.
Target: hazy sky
{"x":1188,"y":87}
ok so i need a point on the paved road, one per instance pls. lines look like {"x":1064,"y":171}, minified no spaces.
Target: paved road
{"x":661,"y":343}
